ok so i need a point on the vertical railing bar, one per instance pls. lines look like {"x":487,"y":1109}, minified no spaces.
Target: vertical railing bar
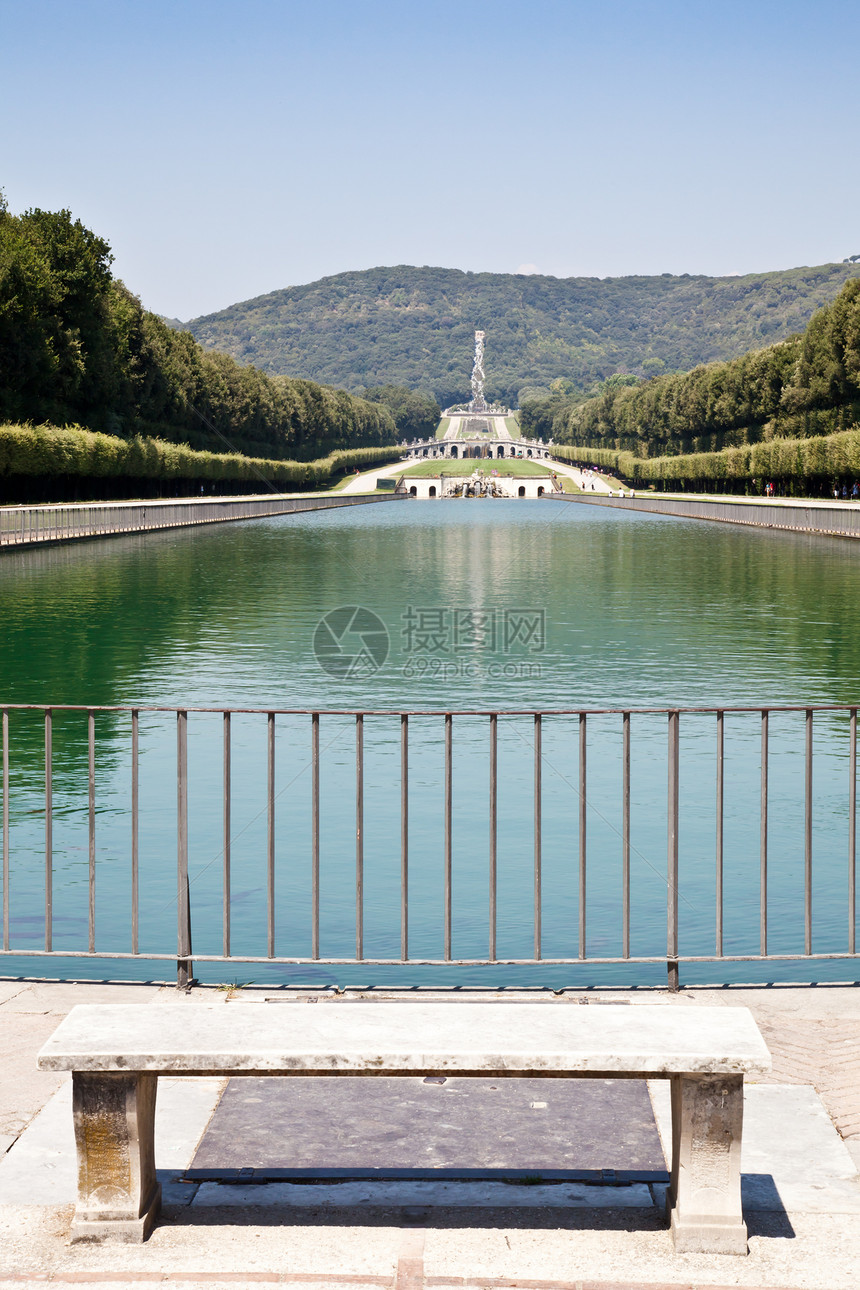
{"x":538,"y":901}
{"x":135,"y":831}
{"x":315,"y":835}
{"x":359,"y":836}
{"x":49,"y":831}
{"x":763,"y":835}
{"x":5,"y":829}
{"x":228,"y":830}
{"x":672,"y":857}
{"x":582,"y":833}
{"x":404,"y":836}
{"x":494,"y":826}
{"x":184,"y":967}
{"x":270,"y":835}
{"x":448,"y":829}
{"x":719,"y":848}
{"x":807,"y":839}
{"x":852,"y":834}
{"x":625,"y":836}
{"x":91,"y":795}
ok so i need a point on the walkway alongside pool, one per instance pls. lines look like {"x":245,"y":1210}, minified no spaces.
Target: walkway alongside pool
{"x":801,"y":1191}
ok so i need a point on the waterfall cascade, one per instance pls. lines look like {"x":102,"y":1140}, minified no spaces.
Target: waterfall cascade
{"x":478,"y":404}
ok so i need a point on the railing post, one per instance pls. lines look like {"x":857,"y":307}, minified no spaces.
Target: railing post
{"x":404,"y":836}
{"x":49,"y":831}
{"x":763,"y":849}
{"x":538,"y":897}
{"x":270,"y":835}
{"x":719,"y":840}
{"x":494,"y":826}
{"x":359,"y":836}
{"x":315,"y":836}
{"x":852,"y":832}
{"x":625,"y":836}
{"x":184,"y":966}
{"x":583,"y":822}
{"x":91,"y":750}
{"x":228,"y":834}
{"x":5,"y":829}
{"x":135,"y":830}
{"x":448,"y":828}
{"x":807,"y":839}
{"x":672,"y":865}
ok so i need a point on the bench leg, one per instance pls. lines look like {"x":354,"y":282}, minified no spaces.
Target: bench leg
{"x":118,"y":1195}
{"x":704,"y":1200}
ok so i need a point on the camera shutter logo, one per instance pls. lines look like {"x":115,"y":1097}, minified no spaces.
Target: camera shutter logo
{"x":351,"y":642}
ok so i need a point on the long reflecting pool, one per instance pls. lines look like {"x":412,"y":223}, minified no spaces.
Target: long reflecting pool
{"x":485,"y":605}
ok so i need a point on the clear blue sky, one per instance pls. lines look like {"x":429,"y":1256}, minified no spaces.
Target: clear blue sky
{"x":229,"y":149}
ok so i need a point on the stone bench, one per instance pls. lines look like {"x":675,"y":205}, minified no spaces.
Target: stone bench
{"x":116,"y":1054}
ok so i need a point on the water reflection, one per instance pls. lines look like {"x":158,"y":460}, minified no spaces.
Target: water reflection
{"x":638,"y":610}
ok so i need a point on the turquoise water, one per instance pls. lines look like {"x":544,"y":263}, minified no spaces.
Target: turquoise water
{"x":483,"y":605}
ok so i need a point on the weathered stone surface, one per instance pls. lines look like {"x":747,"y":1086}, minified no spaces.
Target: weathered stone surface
{"x":394,"y":1038}
{"x":704,"y":1197}
{"x":117,"y":1053}
{"x":118,"y":1193}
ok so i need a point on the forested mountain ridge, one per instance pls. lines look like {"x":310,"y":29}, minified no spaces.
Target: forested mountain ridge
{"x":413,"y":326}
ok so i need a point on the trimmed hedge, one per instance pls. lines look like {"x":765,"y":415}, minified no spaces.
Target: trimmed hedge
{"x":53,"y":451}
{"x":833,"y":456}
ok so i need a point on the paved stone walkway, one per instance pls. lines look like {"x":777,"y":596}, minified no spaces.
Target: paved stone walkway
{"x":259,"y":1236}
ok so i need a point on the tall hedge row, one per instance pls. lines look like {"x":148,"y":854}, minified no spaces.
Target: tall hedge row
{"x":75,"y":451}
{"x":819,"y":459}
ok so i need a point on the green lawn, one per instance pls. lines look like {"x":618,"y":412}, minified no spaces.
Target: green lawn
{"x":508,"y":466}
{"x":513,"y":425}
{"x":442,"y":427}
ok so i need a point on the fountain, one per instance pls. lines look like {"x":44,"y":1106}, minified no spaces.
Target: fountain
{"x":478,"y":404}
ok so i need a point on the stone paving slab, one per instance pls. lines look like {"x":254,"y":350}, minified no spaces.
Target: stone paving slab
{"x":506,"y":1248}
{"x":792,"y":1157}
{"x":444,"y":1123}
{"x":30,"y":1012}
{"x":41,"y":1165}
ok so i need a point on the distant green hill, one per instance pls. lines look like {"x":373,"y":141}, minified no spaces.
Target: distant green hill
{"x":411,"y":326}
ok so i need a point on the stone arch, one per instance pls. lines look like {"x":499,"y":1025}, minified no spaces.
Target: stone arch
{"x":413,"y":491}
{"x":528,"y":452}
{"x":521,"y":491}
{"x":432,"y":492}
{"x":540,"y":490}
{"x":453,"y":450}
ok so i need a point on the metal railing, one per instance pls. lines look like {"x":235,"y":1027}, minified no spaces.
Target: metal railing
{"x":835,"y":519}
{"x":30,"y":525}
{"x":541,"y":808}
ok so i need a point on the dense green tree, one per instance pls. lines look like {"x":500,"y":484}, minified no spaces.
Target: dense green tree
{"x":416,"y":414}
{"x":803,"y":387}
{"x":77,"y":347}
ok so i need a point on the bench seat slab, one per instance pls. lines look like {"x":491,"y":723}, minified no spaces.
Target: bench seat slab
{"x":118,"y":1194}
{"x":358,"y":1038}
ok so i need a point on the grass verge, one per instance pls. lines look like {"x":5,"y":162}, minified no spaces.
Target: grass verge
{"x":485,"y":465}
